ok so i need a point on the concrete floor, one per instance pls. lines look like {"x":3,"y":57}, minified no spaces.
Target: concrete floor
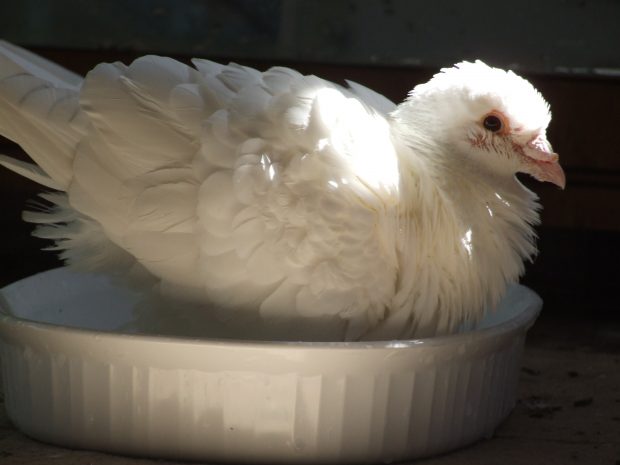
{"x":568,"y":410}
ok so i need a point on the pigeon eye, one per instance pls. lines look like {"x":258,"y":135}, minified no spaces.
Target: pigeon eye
{"x":493,"y":123}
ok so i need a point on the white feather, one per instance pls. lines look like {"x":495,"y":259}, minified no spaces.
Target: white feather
{"x":373,"y":99}
{"x":30,"y":171}
{"x":17,"y":59}
{"x":275,"y":198}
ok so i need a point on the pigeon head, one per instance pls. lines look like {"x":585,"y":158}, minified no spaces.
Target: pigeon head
{"x":493,"y":118}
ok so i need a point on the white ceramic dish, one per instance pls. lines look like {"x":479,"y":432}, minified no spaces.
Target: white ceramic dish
{"x":72,"y":379}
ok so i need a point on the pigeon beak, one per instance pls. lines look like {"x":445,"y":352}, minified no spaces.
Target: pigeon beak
{"x":542,"y":163}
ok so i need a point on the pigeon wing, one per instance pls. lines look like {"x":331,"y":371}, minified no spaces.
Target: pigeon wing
{"x":266,"y":191}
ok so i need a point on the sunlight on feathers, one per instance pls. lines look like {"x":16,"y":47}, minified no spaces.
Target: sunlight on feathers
{"x":361,"y":134}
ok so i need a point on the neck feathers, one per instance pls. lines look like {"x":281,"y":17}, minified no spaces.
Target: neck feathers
{"x":462,"y":240}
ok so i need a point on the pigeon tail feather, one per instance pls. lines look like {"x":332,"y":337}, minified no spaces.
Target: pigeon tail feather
{"x":39,"y":110}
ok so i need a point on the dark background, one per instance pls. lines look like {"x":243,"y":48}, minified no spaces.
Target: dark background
{"x":570,"y":50}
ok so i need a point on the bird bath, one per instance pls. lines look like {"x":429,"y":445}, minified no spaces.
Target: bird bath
{"x":72,"y":377}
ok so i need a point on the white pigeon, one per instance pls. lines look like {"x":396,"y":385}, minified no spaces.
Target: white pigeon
{"x":286,"y":201}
